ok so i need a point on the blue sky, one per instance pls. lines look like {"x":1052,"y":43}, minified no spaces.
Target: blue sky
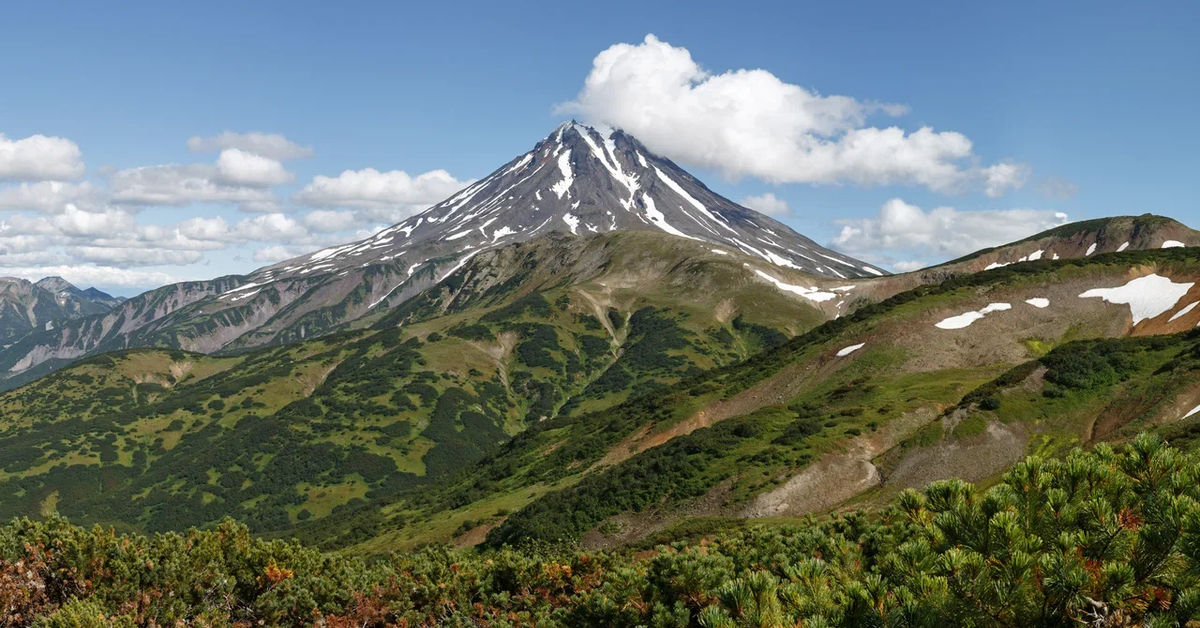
{"x":1093,"y":102}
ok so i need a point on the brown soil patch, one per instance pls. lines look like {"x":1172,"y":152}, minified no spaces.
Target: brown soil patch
{"x":1162,"y":324}
{"x":475,"y":535}
{"x":837,"y":477}
{"x":634,"y":527}
{"x":972,"y":459}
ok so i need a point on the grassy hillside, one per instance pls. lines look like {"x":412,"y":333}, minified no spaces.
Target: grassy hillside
{"x":162,"y":439}
{"x":814,"y":423}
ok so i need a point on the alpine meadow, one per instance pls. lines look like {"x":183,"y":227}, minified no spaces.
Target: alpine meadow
{"x":476,"y":315}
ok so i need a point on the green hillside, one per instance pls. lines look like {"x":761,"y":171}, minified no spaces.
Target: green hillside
{"x":801,"y":429}
{"x":161,"y":439}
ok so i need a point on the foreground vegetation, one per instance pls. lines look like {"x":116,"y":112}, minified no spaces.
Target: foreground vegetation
{"x":1108,"y":537}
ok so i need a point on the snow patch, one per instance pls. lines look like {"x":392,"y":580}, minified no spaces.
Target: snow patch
{"x":851,"y":349}
{"x":1122,"y":247}
{"x":812,"y":294}
{"x":1192,"y":411}
{"x":1091,"y":249}
{"x":242,"y":287}
{"x":1173,"y":244}
{"x":1184,"y":311}
{"x":659,"y":220}
{"x":964,"y":320}
{"x":572,"y":222}
{"x":1147,"y":297}
{"x":1038,"y":302}
{"x":564,"y":166}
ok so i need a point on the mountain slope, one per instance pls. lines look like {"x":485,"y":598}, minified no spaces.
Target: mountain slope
{"x":557,"y":326}
{"x":26,"y":306}
{"x":836,"y":412}
{"x":1082,"y":239}
{"x":578,"y":180}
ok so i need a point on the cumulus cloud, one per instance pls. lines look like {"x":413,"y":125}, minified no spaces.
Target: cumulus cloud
{"x":999,"y":179}
{"x":270,"y":145}
{"x":903,"y":231}
{"x":46,"y":196}
{"x":135,"y":256}
{"x":39,"y":157}
{"x":239,"y":167}
{"x":76,"y":222}
{"x":91,"y":230}
{"x":751,"y":123}
{"x":273,"y":227}
{"x":768,"y":204}
{"x":331,"y":221}
{"x":273,"y":254}
{"x":181,"y":185}
{"x":90,"y":275}
{"x":390,"y":195}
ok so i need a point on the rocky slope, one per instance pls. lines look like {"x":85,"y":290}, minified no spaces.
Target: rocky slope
{"x":26,"y":306}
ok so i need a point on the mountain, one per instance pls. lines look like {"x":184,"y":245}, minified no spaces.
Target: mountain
{"x":578,"y":180}
{"x":581,"y":180}
{"x":601,"y":388}
{"x":554,"y":327}
{"x":958,"y":379}
{"x":1082,"y":239}
{"x":26,"y":306}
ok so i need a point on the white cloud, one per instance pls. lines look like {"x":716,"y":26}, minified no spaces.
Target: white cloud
{"x":1003,"y":177}
{"x":272,"y":254}
{"x":270,"y":145}
{"x":135,"y":256}
{"x":90,"y":231}
{"x":239,"y":167}
{"x":46,"y":196}
{"x":768,"y":204}
{"x":749,"y":122}
{"x":394,"y":193}
{"x":77,"y":222}
{"x":905,"y":231}
{"x":907,"y":266}
{"x":180,"y":185}
{"x":205,"y":228}
{"x":331,"y":221}
{"x":39,"y":157}
{"x":90,"y":275}
{"x":273,"y":227}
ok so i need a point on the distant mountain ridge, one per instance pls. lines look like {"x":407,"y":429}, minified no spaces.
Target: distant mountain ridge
{"x":26,"y":306}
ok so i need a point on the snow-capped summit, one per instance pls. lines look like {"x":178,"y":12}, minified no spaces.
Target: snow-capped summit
{"x":578,"y":180}
{"x":582,"y":180}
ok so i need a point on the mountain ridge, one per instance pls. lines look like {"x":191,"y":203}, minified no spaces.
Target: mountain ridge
{"x":586,"y":181}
